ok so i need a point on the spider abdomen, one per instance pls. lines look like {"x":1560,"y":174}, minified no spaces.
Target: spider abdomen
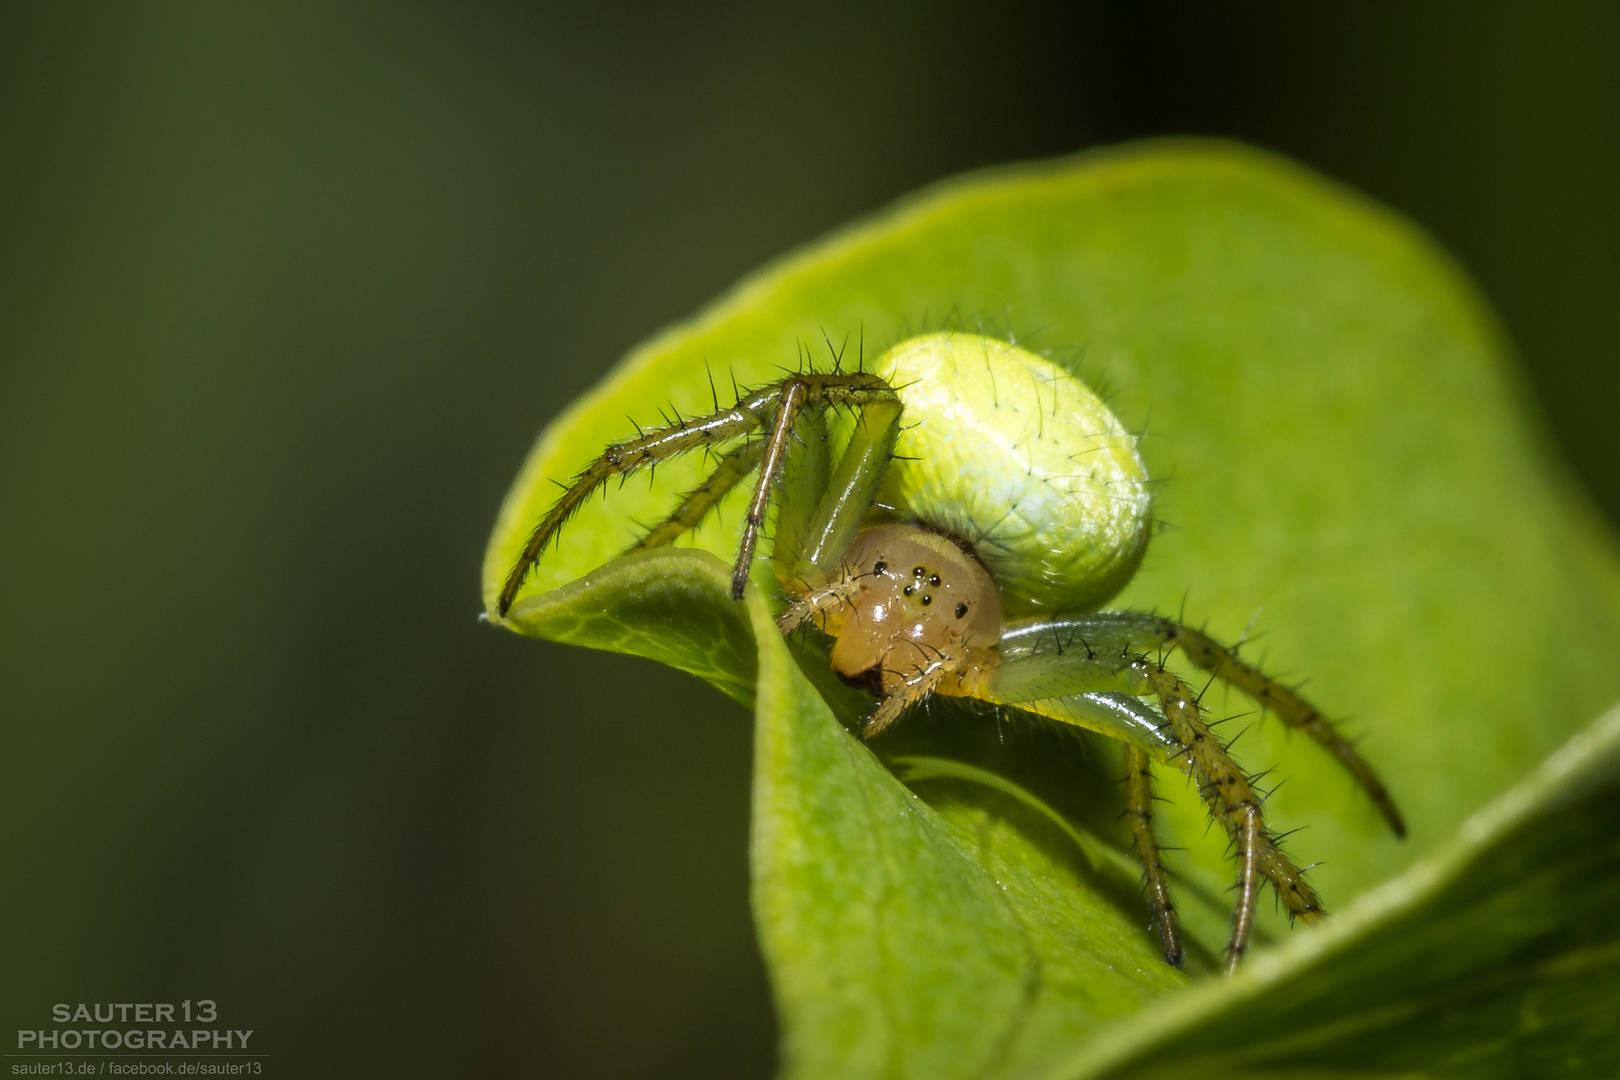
{"x":1020,"y":459}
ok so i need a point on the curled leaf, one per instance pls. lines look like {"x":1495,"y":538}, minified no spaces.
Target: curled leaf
{"x":1348,"y":477}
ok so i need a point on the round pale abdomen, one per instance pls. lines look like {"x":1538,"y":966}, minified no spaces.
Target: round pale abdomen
{"x":920,"y":595}
{"x":1018,"y":458}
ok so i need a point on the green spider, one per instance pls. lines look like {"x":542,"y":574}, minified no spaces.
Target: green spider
{"x":967,"y":553}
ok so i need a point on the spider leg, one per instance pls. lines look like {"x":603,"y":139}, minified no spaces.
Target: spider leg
{"x":1121,"y":632}
{"x":1233,"y":803}
{"x":850,"y":490}
{"x":793,"y":397}
{"x":1139,"y":806}
{"x":622,"y":458}
{"x":917,"y":684}
{"x":705,"y":497}
{"x":760,"y":408}
{"x":853,"y":485}
{"x":1289,"y":706}
{"x":799,"y":491}
{"x":1077,"y":671}
{"x":817,"y":604}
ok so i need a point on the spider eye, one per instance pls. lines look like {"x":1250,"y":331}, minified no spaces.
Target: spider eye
{"x":908,"y":590}
{"x":879,"y":566}
{"x":927,"y":600}
{"x":919,"y":571}
{"x":961,"y":610}
{"x":933,"y":579}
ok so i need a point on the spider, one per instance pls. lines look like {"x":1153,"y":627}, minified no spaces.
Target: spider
{"x":969,"y":553}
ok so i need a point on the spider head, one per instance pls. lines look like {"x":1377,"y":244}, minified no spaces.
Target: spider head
{"x":917,"y":595}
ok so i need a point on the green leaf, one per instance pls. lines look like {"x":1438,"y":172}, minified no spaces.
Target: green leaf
{"x":659,"y":604}
{"x":1347,"y":466}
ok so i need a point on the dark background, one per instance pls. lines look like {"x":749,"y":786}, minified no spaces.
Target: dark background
{"x":287,"y":290}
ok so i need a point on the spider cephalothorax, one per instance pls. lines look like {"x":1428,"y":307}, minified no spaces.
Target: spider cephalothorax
{"x":967,"y":552}
{"x":904,"y":600}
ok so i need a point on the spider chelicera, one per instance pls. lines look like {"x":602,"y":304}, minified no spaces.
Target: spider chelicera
{"x":968,"y":552}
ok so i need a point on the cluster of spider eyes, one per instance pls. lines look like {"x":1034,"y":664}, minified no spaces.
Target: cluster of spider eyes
{"x":919,"y":572}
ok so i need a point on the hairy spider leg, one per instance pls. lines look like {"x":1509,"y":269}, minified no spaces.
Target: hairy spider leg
{"x":766,"y":408}
{"x":800,"y":489}
{"x":803,"y":485}
{"x":1290,"y":707}
{"x":1139,"y":808}
{"x":1233,"y":803}
{"x":1128,"y":630}
{"x":922,"y":680}
{"x":841,"y":507}
{"x":819,"y":604}
{"x":1065,"y":677}
{"x":776,"y":445}
{"x":701,"y":500}
{"x":811,"y":554}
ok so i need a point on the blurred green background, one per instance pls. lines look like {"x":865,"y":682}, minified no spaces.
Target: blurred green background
{"x":287,"y":290}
